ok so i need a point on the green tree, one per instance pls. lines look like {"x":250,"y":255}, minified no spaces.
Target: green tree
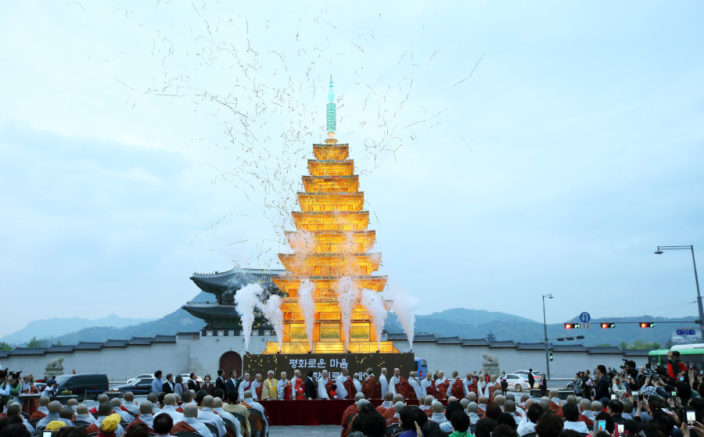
{"x":490,"y":337}
{"x":640,"y":344}
{"x":4,"y":346}
{"x":34,"y":343}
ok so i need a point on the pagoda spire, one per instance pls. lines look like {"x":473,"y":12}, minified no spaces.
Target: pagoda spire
{"x":331,"y":115}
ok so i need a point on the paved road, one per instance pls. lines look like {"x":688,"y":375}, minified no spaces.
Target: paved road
{"x":305,"y":431}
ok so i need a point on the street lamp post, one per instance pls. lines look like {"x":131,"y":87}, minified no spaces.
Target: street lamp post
{"x":545,"y":332}
{"x":689,"y":247}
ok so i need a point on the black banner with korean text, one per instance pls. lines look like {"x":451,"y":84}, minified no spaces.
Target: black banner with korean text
{"x":333,"y":363}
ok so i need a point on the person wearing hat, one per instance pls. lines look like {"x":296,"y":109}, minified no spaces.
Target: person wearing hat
{"x":109,"y":425}
{"x":54,"y":425}
{"x":105,"y":411}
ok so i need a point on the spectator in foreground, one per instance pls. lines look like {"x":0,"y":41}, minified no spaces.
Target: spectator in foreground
{"x":571,"y":413}
{"x":190,"y":423}
{"x":248,"y":400}
{"x":164,"y":425}
{"x":549,"y":425}
{"x":460,"y":424}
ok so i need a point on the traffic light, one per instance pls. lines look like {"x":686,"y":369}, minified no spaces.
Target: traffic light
{"x":571,"y":325}
{"x":550,"y":356}
{"x":647,"y":324}
{"x":608,"y":325}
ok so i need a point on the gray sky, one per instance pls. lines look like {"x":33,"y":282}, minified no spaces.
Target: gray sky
{"x":506,"y":150}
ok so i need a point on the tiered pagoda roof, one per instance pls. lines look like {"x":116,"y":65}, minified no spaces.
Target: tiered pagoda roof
{"x":220,"y":313}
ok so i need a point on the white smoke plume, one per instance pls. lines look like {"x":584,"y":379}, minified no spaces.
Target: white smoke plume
{"x":301,"y":241}
{"x":371,"y":300}
{"x":246,"y":299}
{"x":307,"y":305}
{"x":404,"y":306}
{"x":347,"y":296}
{"x":272,"y":312}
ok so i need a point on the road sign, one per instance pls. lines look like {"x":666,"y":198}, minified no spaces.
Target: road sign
{"x":686,"y":331}
{"x":585,"y":317}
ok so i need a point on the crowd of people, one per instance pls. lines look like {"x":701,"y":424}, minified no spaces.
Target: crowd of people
{"x":606,"y":403}
{"x":190,"y":412}
{"x":663,"y":402}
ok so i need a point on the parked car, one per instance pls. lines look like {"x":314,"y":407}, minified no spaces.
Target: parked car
{"x":536,"y":375}
{"x":87,"y":386}
{"x":138,"y":377}
{"x":517,"y":382}
{"x":138,"y":386}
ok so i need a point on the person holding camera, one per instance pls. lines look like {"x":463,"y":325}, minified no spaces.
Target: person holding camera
{"x":676,"y":369}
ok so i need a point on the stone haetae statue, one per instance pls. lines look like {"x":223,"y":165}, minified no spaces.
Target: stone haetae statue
{"x":490,"y":364}
{"x":54,"y":367}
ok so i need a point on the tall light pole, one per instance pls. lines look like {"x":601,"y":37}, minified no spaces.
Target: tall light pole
{"x":545,"y":332}
{"x":689,"y":247}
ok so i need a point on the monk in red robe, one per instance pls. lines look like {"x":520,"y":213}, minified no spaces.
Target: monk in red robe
{"x":300,"y":389}
{"x":405,"y":389}
{"x":41,"y":411}
{"x":182,"y":427}
{"x":442,"y":389}
{"x":349,"y":388}
{"x":428,"y":384}
{"x":347,"y":418}
{"x":371,"y":386}
{"x":473,"y":384}
{"x":136,"y":421}
{"x":29,"y":406}
{"x":457,"y":388}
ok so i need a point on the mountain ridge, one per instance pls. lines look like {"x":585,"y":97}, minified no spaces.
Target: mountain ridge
{"x":453,"y":322}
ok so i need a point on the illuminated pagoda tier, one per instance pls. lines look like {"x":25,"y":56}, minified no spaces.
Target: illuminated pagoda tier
{"x":331,"y":242}
{"x":220,"y":313}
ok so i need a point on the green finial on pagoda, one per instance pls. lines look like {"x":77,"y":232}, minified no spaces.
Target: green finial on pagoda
{"x":331,"y":115}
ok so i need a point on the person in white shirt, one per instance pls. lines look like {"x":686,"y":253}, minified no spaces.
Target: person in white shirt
{"x":322,"y":382}
{"x":117,"y":408}
{"x":146,"y":414}
{"x":281,"y":385}
{"x":245,"y":384}
{"x":82,"y":415}
{"x":207,"y":415}
{"x":357,"y":383}
{"x":415,"y":385}
{"x":259,"y":407}
{"x":258,"y":382}
{"x":396,"y":379}
{"x":441,"y":379}
{"x":190,"y":417}
{"x":217,"y":407}
{"x":43,"y":404}
{"x":571,"y":413}
{"x":340,"y":390}
{"x":388,"y":401}
{"x":170,"y":408}
{"x":54,"y":414}
{"x":472,"y":409}
{"x":105,"y":411}
{"x":384,"y":382}
{"x":528,"y":422}
{"x":438,"y":415}
{"x":426,"y":383}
